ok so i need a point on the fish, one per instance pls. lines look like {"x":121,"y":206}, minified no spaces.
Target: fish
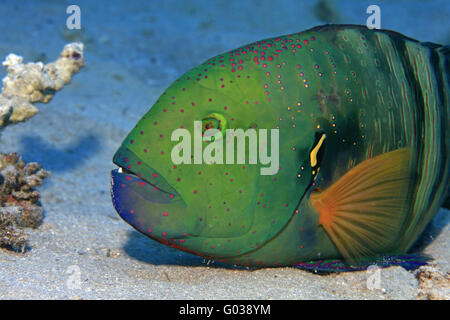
{"x":361,"y":120}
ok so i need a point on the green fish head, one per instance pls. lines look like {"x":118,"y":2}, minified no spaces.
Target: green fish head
{"x":207,"y":205}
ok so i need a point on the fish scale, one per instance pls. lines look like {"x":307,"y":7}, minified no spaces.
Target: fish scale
{"x":362,"y":119}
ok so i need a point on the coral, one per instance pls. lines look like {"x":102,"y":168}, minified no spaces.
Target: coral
{"x":10,"y":237}
{"x":24,"y":85}
{"x":433,"y":284}
{"x":19,"y":200}
{"x":33,"y":82}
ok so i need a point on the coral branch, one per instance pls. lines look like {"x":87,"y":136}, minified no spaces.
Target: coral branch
{"x":33,"y":82}
{"x":19,"y":201}
{"x":24,"y":85}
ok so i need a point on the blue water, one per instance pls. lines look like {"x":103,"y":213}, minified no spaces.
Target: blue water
{"x":158,"y":40}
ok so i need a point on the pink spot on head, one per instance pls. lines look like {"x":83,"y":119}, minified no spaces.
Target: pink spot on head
{"x":165,"y":214}
{"x":131,"y":211}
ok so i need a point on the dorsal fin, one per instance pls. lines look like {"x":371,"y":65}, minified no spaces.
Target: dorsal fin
{"x":363,"y":211}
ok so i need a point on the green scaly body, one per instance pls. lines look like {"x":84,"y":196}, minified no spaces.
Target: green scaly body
{"x":370,"y":92}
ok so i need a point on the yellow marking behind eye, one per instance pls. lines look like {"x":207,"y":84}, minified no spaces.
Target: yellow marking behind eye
{"x":313,"y":154}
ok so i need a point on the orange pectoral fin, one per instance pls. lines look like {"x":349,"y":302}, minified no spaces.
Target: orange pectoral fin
{"x":363,"y":211}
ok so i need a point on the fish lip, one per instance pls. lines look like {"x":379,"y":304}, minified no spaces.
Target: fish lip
{"x":126,"y":171}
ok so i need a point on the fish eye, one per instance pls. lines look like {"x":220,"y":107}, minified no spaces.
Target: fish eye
{"x":210,"y":124}
{"x":214,"y":121}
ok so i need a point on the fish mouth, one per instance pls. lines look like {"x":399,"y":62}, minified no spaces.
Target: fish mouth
{"x":123,"y":177}
{"x":143,"y":197}
{"x":172,"y":192}
{"x":145,"y":206}
{"x":133,"y":170}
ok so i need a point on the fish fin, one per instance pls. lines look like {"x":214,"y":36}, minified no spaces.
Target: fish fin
{"x":364,"y":210}
{"x":446,"y":203}
{"x":408,"y":262}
